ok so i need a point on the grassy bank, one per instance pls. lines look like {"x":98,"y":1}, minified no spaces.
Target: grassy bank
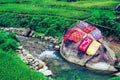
{"x":11,"y":66}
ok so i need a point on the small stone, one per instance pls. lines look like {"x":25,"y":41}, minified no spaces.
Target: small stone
{"x":33,"y":35}
{"x":54,"y":41}
{"x":40,"y":66}
{"x":28,"y":56}
{"x":32,"y":63}
{"x":57,"y":47}
{"x":20,"y":47}
{"x":43,"y":69}
{"x":36,"y":60}
{"x":36,"y":63}
{"x":48,"y":73}
{"x":41,"y":62}
{"x":23,"y":50}
{"x":45,"y":38}
{"x":30,"y":60}
{"x":36,"y":68}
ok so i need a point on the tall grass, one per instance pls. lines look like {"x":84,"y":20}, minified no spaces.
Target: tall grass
{"x":12,"y":68}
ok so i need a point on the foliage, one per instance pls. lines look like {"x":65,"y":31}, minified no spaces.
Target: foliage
{"x":107,"y":21}
{"x":49,"y":25}
{"x":8,"y":41}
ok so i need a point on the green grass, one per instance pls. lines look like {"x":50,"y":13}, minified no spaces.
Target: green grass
{"x":77,"y":10}
{"x":11,"y":66}
{"x":96,"y":4}
{"x":24,"y":8}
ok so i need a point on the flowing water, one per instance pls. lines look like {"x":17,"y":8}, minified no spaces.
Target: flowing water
{"x":60,"y":67}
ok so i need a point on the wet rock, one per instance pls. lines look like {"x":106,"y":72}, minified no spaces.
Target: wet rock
{"x":46,"y":38}
{"x":102,"y":59}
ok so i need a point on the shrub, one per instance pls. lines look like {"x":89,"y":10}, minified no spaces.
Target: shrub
{"x":49,"y":25}
{"x":8,"y":41}
{"x":107,"y":21}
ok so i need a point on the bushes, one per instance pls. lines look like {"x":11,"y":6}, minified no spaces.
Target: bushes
{"x":50,"y":25}
{"x":8,"y":41}
{"x":113,"y":28}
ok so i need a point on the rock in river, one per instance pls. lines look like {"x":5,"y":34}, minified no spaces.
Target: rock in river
{"x":84,"y":45}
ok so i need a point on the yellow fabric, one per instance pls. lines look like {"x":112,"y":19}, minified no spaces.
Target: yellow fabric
{"x":92,"y":49}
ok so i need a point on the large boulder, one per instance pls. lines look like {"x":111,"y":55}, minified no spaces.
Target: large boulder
{"x":83,"y":44}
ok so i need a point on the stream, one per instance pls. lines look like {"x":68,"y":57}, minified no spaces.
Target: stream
{"x":59,"y":66}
